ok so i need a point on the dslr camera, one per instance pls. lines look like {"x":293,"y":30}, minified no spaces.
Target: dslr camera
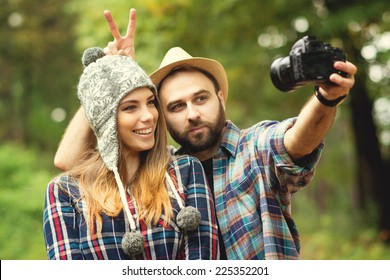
{"x":310,"y":60}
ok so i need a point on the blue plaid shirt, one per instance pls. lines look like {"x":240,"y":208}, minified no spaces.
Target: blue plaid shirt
{"x":68,"y":237}
{"x":254,"y":178}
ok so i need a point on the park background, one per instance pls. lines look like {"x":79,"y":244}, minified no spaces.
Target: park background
{"x":342,"y":214}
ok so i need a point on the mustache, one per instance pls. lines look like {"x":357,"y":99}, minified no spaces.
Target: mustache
{"x":196,"y":123}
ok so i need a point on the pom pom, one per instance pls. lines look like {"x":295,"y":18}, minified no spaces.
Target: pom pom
{"x":133,"y":243}
{"x":91,"y":55}
{"x":188,"y":218}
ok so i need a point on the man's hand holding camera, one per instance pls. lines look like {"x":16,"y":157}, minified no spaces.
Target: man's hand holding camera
{"x":333,"y":77}
{"x":313,"y":61}
{"x":341,"y":85}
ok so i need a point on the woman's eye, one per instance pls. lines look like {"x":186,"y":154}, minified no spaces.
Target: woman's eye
{"x":153,"y":102}
{"x":129,"y":108}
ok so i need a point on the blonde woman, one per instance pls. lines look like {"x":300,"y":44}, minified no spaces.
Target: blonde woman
{"x":128,"y":199}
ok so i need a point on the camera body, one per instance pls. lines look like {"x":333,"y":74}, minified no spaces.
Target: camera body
{"x":310,"y":61}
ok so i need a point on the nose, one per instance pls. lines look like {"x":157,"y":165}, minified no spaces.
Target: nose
{"x":192,"y":113}
{"x":147,"y":114}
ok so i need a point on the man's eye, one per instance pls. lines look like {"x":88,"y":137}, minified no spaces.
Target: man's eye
{"x":201,"y":98}
{"x":177,"y":107}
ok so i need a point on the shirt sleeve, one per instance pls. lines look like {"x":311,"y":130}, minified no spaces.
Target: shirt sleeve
{"x":287,"y":175}
{"x":201,"y":243}
{"x":60,"y":227}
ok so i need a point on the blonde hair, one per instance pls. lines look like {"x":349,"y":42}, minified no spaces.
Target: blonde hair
{"x":100,"y":191}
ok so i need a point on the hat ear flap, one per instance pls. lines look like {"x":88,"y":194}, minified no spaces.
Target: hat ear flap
{"x":91,"y":55}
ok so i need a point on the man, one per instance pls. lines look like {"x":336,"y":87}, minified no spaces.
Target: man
{"x":253,"y":172}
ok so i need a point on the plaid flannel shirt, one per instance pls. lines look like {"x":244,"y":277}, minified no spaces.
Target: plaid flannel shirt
{"x":254,"y":178}
{"x":68,"y":237}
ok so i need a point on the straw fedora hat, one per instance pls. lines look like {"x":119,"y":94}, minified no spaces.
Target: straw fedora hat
{"x":178,"y":57}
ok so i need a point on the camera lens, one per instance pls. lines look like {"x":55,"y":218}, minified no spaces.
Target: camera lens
{"x":309,"y":61}
{"x":281,"y":74}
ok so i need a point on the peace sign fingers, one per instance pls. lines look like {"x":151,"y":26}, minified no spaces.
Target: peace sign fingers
{"x":123,"y":45}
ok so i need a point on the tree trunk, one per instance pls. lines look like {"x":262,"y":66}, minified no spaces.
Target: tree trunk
{"x":371,"y":183}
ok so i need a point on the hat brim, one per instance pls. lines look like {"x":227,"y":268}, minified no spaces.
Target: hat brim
{"x":212,"y":66}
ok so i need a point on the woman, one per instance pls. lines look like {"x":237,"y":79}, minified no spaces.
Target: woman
{"x":128,"y":199}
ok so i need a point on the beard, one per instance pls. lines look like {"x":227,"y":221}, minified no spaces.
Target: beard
{"x":203,"y":140}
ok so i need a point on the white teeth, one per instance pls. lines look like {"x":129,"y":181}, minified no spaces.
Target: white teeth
{"x":143,"y":131}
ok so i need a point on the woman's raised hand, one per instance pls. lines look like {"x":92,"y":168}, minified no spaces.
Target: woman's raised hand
{"x":121,"y":45}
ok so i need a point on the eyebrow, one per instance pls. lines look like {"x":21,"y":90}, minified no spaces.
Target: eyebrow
{"x":135,"y":101}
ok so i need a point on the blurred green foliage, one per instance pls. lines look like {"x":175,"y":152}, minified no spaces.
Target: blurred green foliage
{"x":24,"y":174}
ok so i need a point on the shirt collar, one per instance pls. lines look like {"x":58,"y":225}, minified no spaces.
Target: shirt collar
{"x":230,"y":138}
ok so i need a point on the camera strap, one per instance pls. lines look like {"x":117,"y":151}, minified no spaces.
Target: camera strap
{"x":327,"y":102}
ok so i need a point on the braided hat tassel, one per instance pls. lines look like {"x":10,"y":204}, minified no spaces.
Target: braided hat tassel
{"x":133,"y":241}
{"x":188,"y":217}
